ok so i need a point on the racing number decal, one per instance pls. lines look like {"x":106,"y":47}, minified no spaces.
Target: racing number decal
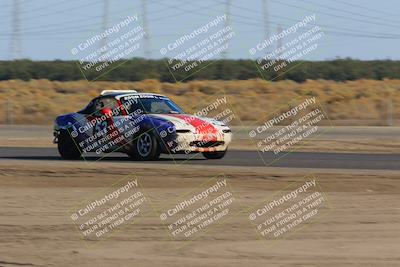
{"x":100,"y":126}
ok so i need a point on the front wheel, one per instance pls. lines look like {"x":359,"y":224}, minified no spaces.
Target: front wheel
{"x":67,"y":147}
{"x":214,"y":155}
{"x":145,"y":147}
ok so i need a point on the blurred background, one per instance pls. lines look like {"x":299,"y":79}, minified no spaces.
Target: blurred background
{"x":354,"y":71}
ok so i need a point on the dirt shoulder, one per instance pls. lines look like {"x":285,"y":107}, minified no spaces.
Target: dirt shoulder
{"x":36,"y":198}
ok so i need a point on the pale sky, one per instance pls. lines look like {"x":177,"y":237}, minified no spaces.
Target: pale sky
{"x":361,"y":29}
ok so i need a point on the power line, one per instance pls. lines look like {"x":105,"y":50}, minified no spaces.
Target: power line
{"x":357,"y":34}
{"x":122,"y":11}
{"x":368,"y":9}
{"x":337,"y":16}
{"x":242,"y":8}
{"x":350,"y":12}
{"x":352,"y":34}
{"x":319,"y":24}
{"x":60,"y":11}
{"x":254,"y":23}
{"x":41,"y":26}
{"x":38,"y":8}
{"x":71,"y":29}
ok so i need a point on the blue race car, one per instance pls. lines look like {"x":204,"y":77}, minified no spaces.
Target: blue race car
{"x":141,"y":125}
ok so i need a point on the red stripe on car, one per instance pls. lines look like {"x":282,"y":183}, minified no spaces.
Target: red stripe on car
{"x":202,"y":127}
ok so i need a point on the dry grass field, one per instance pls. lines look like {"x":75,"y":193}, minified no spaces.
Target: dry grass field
{"x":361,"y":102}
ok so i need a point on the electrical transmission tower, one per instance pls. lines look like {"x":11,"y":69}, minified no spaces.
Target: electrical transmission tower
{"x":104,"y":25}
{"x":146,"y":38}
{"x":15,"y":44}
{"x":266,"y":18}
{"x":227,"y":24}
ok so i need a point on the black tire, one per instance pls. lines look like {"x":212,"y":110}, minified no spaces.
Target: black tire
{"x":67,"y":147}
{"x":214,"y":155}
{"x":145,"y":147}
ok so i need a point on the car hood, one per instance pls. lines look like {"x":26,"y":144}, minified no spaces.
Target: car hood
{"x":193,"y":123}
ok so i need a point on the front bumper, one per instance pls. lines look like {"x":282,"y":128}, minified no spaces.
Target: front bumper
{"x":190,"y":143}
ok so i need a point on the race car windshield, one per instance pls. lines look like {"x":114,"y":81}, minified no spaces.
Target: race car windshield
{"x":159,"y":105}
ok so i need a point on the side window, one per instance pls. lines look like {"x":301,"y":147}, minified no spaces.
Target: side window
{"x":134,"y":106}
{"x":159,"y":107}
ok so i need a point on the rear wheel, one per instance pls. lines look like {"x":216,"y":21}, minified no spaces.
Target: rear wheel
{"x":67,"y":147}
{"x":145,"y":147}
{"x":214,"y":155}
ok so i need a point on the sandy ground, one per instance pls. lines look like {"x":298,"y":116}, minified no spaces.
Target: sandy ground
{"x":361,"y":229}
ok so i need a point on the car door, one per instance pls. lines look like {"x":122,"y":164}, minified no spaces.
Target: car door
{"x":108,"y":121}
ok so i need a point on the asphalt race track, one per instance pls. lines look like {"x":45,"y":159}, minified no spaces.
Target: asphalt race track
{"x":233,"y":158}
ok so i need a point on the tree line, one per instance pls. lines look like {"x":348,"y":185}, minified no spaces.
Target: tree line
{"x":139,"y":69}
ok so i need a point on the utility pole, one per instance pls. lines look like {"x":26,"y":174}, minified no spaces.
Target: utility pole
{"x":106,"y":5}
{"x":15,"y":44}
{"x":146,"y":38}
